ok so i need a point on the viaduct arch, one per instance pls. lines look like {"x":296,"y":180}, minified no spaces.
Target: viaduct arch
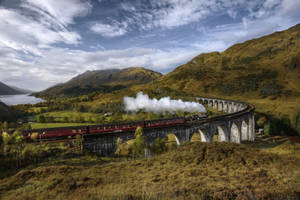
{"x":235,"y":126}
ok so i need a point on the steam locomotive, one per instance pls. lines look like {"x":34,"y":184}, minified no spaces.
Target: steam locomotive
{"x":71,"y":132}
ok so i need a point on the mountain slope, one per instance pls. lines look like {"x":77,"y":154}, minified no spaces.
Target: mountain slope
{"x":267,"y":66}
{"x":8,"y":90}
{"x":101,"y":81}
{"x":21,"y":90}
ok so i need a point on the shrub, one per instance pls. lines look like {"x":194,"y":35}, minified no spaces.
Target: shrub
{"x":159,"y":146}
{"x":276,"y":126}
{"x":268,"y":128}
{"x":41,"y":119}
{"x":270,"y":89}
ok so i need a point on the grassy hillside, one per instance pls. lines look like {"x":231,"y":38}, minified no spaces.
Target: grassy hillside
{"x":101,"y":81}
{"x":193,"y":171}
{"x":267,"y":66}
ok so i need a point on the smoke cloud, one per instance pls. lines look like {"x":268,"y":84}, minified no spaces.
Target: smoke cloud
{"x":165,"y":104}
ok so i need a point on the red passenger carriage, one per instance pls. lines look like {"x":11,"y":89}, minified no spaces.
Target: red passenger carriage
{"x":71,"y":132}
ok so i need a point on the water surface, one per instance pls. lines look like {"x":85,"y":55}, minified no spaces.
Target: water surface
{"x":19,"y":99}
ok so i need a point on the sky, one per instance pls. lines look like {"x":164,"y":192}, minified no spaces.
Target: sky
{"x":45,"y":42}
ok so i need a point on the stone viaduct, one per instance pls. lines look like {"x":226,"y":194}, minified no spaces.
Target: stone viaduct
{"x":235,"y":126}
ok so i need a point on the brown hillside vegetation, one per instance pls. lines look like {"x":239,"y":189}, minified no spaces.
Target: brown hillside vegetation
{"x":193,"y":171}
{"x":267,"y":66}
{"x":101,"y":81}
{"x":263,"y":71}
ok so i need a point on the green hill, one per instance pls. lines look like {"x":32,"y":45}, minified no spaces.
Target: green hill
{"x":101,"y":81}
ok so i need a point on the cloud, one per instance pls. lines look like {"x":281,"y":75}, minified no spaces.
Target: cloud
{"x":61,"y":64}
{"x":38,"y":24}
{"x":171,"y":14}
{"x":263,"y":18}
{"x":110,"y":30}
{"x":61,"y":13}
{"x":174,"y":13}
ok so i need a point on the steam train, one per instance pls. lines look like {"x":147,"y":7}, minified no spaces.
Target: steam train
{"x":71,"y":132}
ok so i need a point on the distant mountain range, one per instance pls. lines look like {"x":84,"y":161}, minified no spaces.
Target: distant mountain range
{"x":11,"y":90}
{"x":101,"y":81}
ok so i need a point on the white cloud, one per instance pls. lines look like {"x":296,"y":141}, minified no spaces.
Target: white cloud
{"x":29,"y":32}
{"x":290,"y":8}
{"x":40,"y":23}
{"x":60,"y":64}
{"x":174,"y":13}
{"x":110,"y":30}
{"x":63,"y":12}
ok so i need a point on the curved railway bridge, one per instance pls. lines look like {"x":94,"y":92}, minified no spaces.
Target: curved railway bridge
{"x":235,"y":126}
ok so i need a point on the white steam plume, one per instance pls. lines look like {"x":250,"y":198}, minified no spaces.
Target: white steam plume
{"x":165,"y":104}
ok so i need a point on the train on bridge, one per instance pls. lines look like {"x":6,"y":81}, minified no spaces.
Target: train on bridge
{"x":71,"y":132}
